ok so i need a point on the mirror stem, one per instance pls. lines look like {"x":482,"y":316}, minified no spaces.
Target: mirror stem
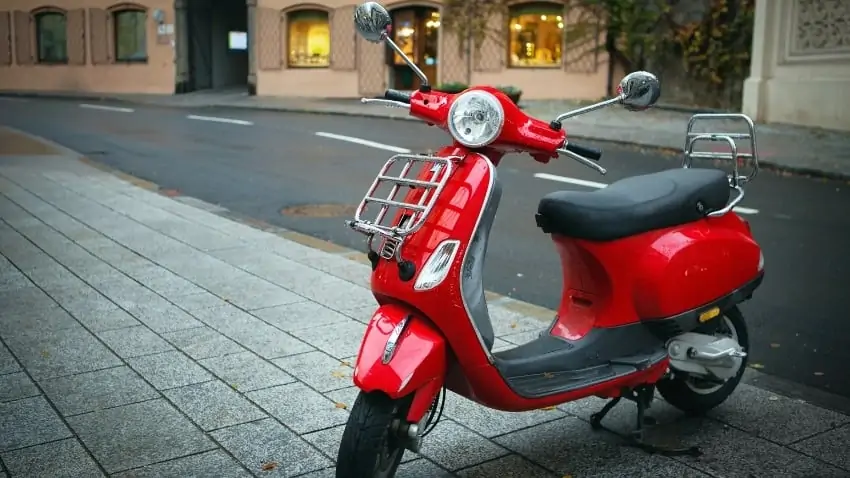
{"x":425,"y":86}
{"x":588,"y":109}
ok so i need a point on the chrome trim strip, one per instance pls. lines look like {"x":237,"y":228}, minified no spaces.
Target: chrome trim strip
{"x":392,"y":340}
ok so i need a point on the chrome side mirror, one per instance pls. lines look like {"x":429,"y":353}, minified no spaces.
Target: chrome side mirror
{"x":372,"y":21}
{"x":639,"y":90}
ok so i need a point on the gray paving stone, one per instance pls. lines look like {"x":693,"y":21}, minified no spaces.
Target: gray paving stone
{"x":134,"y":341}
{"x":830,"y":447}
{"x":200,"y":301}
{"x":300,"y":315}
{"x":169,"y":370}
{"x":522,"y":337}
{"x":55,"y":276}
{"x":54,"y":354}
{"x":202,"y":343}
{"x":338,"y":340}
{"x":16,"y":385}
{"x":59,"y":459}
{"x":246,"y":372}
{"x":140,"y":434}
{"x":346,"y":269}
{"x":226,"y":317}
{"x":256,"y":294}
{"x":361,"y":314}
{"x":508,"y":322}
{"x":30,"y":300}
{"x":263,"y":339}
{"x":214,"y":405}
{"x":422,"y":468}
{"x":318,"y":370}
{"x":51,"y":319}
{"x":268,"y":443}
{"x":344,"y":396}
{"x":29,"y":421}
{"x":214,"y":463}
{"x":453,"y":447}
{"x":779,"y":419}
{"x":166,"y":283}
{"x":491,"y":423}
{"x":162,"y":317}
{"x":512,"y":466}
{"x":97,"y":390}
{"x":339,"y":294}
{"x":108,"y":319}
{"x":300,"y":408}
{"x":8,"y":364}
{"x":12,"y":280}
{"x":82,"y":301}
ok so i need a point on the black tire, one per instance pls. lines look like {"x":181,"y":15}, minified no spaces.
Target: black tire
{"x":678,"y":391}
{"x":369,"y":449}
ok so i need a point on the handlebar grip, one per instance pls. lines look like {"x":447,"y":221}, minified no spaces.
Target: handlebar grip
{"x":395,"y":95}
{"x":589,"y":153}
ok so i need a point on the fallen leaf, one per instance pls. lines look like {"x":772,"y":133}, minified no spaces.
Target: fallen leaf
{"x":756,"y":366}
{"x":773,"y":398}
{"x":514,"y":324}
{"x":548,"y":408}
{"x":345,"y":363}
{"x":234,"y":386}
{"x":269,"y":466}
{"x":337,"y":374}
{"x":774,"y":346}
{"x":818,"y":374}
{"x":548,"y":375}
{"x":341,"y":405}
{"x":45,"y":353}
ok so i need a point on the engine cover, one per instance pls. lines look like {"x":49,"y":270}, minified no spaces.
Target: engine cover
{"x":706,"y":355}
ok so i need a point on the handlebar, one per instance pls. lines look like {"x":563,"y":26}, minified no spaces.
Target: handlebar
{"x":589,"y":153}
{"x":395,"y":95}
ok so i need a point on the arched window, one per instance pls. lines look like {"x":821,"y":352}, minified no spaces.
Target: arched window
{"x":309,"y":39}
{"x":130,"y":35}
{"x":536,"y":35}
{"x":51,"y":37}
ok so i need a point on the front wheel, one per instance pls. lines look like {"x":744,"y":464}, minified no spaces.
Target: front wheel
{"x":370,"y":446}
{"x":695,"y":396}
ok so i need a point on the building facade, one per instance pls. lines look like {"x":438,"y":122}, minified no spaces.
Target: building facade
{"x":800,"y":71}
{"x":282,"y":47}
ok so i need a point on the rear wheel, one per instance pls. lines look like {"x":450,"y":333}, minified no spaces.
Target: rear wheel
{"x":697,"y":396}
{"x":371,"y":447}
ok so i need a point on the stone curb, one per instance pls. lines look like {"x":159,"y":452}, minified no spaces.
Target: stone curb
{"x":753,"y":377}
{"x":764,"y":164}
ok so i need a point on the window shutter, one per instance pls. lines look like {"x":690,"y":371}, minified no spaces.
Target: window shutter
{"x":5,"y":39}
{"x":343,"y":39}
{"x":75,"y":21}
{"x":23,"y":38}
{"x":99,"y":36}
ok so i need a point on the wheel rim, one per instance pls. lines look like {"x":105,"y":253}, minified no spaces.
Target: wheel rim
{"x":704,"y":387}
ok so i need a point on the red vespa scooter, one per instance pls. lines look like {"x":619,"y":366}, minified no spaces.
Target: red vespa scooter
{"x":654,"y":267}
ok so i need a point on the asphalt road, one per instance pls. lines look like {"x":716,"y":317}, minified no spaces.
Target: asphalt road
{"x":261,"y":162}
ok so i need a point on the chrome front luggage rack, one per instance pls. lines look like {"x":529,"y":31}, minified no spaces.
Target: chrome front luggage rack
{"x":736,"y":180}
{"x":397,"y":219}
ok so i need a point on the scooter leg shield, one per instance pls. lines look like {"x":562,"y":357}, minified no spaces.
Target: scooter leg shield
{"x":402,"y":353}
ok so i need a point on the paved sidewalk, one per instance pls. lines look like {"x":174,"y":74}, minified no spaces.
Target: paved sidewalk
{"x":144,"y":336}
{"x":788,"y":148}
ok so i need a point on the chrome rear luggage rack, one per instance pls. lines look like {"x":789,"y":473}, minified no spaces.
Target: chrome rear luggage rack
{"x":413,"y":214}
{"x":736,"y":180}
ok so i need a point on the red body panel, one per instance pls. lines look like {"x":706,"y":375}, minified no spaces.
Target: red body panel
{"x":419,"y":358}
{"x":652,"y":275}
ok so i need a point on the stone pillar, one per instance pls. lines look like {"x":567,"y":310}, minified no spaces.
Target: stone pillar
{"x":181,"y":46}
{"x":761,"y":59}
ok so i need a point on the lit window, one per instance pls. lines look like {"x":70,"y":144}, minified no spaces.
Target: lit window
{"x":309,"y":42}
{"x":130,"y":35}
{"x":50,"y":35}
{"x":536,"y":35}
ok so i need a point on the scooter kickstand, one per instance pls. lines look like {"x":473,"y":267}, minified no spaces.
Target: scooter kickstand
{"x":596,"y":418}
{"x":643,"y":397}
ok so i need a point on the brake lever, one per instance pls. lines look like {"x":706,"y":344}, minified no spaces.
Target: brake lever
{"x":387,"y":103}
{"x":581,"y":159}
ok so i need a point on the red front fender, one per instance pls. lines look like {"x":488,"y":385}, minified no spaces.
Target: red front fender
{"x":418,"y":363}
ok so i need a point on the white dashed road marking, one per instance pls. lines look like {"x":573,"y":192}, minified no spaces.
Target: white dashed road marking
{"x":214,"y":119}
{"x":107,"y":108}
{"x":364,"y":142}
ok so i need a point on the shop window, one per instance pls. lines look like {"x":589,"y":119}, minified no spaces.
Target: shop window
{"x":536,"y":35}
{"x":51,"y":37}
{"x":309,"y":41}
{"x":130,"y":35}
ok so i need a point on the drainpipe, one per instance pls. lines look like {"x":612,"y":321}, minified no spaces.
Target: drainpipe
{"x":252,"y":45}
{"x":181,"y":47}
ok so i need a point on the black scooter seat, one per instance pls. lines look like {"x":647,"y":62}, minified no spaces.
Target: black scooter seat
{"x":635,"y":205}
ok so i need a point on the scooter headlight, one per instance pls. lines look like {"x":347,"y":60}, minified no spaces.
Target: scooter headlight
{"x":476,"y":118}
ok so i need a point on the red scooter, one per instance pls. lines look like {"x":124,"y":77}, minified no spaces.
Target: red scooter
{"x":654,"y":268}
